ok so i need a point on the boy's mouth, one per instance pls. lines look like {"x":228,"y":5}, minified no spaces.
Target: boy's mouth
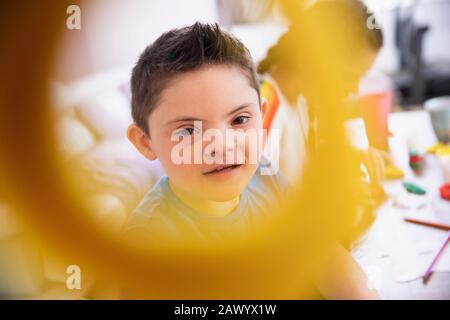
{"x":223,"y":169}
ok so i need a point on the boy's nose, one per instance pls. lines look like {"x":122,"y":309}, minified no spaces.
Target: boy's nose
{"x":227,"y":149}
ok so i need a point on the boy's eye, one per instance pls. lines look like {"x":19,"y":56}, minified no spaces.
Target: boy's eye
{"x":241,"y":120}
{"x":185,"y":131}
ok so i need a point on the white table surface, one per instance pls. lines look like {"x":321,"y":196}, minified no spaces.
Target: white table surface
{"x":394,"y":252}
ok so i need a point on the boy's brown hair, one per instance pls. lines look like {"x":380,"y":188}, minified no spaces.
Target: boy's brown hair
{"x":179,"y":51}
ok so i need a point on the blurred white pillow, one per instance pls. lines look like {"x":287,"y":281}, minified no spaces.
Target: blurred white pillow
{"x":114,"y":167}
{"x":107,"y":114}
{"x":74,"y":137}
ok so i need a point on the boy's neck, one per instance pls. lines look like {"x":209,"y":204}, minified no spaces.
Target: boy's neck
{"x":209,"y":207}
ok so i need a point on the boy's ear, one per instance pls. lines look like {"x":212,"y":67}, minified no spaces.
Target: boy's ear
{"x":264,"y":107}
{"x":140,"y":141}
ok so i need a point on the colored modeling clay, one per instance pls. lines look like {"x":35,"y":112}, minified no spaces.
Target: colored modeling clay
{"x":392,"y":172}
{"x":445,"y":191}
{"x":412,"y":188}
{"x":440,"y":149}
{"x":443,"y":151}
{"x":416,"y":161}
{"x":434,"y":148}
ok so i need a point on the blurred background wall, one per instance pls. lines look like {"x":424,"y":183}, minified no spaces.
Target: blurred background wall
{"x":434,"y":13}
{"x":110,"y":38}
{"x":114,"y":32}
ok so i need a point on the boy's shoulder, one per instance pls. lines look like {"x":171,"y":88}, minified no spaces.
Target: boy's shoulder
{"x":265,"y":191}
{"x":152,"y":210}
{"x":269,"y":177}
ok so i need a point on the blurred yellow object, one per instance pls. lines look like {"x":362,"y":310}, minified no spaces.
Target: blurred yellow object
{"x":393,"y":172}
{"x":439,"y":149}
{"x":434,"y":148}
{"x":273,"y":261}
{"x":443,"y":151}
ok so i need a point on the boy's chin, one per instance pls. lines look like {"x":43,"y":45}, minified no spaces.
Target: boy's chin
{"x":228,"y":189}
{"x":223,"y":195}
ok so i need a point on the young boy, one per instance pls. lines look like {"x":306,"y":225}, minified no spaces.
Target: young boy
{"x":201,"y":78}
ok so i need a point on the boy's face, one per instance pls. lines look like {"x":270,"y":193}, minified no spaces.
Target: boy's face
{"x":215,"y":97}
